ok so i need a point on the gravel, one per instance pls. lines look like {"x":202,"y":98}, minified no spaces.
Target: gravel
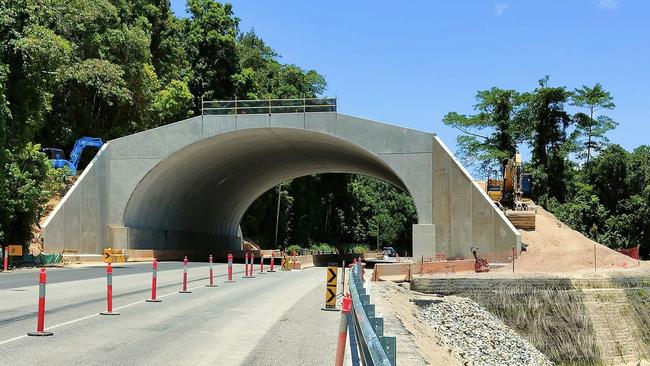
{"x":476,"y":335}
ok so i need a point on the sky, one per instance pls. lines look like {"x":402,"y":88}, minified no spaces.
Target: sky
{"x":409,"y":63}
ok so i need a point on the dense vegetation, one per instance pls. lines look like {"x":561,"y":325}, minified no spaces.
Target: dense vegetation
{"x":107,"y":68}
{"x":337,"y":209}
{"x":594,"y":186}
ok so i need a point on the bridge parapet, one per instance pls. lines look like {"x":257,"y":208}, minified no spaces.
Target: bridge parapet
{"x":268,"y":106}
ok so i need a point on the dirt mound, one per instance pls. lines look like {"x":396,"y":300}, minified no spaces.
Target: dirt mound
{"x":555,"y":247}
{"x":35,"y":244}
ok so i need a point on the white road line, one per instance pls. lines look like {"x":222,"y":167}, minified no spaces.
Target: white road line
{"x":72,"y":321}
{"x":13,"y":339}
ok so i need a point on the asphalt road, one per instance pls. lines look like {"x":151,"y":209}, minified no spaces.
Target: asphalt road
{"x":29,"y":276}
{"x":300,"y":326}
{"x":225,"y":325}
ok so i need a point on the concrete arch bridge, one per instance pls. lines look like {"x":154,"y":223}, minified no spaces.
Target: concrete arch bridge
{"x":187,"y":185}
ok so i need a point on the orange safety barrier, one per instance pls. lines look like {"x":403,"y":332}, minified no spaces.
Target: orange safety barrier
{"x":630,"y":252}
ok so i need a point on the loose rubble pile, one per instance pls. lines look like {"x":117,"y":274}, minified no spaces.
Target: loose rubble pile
{"x":476,"y":335}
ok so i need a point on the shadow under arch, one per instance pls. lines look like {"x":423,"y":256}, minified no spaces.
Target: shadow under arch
{"x":196,"y":197}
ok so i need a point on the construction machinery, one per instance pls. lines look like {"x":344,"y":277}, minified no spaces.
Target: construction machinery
{"x":57,"y":156}
{"x":512,"y":194}
{"x":480,"y":264}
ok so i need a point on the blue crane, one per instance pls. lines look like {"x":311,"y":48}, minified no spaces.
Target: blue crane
{"x":57,"y":156}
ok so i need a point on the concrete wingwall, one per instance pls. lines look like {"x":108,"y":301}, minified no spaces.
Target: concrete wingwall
{"x":464,"y":215}
{"x":148,"y":174}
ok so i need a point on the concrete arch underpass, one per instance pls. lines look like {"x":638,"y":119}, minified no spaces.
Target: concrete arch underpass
{"x":187,"y":185}
{"x":205,"y":188}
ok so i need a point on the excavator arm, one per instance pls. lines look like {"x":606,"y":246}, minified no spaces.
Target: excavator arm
{"x":80,"y":145}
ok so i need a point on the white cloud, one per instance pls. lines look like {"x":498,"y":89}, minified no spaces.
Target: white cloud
{"x":608,"y":4}
{"x":500,"y":8}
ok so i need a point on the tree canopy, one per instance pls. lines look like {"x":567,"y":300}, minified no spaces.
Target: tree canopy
{"x":596,"y":187}
{"x":108,"y":68}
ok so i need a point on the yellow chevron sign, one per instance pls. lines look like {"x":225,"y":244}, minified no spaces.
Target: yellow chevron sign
{"x":330,"y":289}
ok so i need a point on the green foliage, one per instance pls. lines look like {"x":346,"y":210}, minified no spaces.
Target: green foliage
{"x":335,"y":208}
{"x":607,"y":173}
{"x":322,"y":248}
{"x":607,"y":198}
{"x":173,"y":103}
{"x":212,"y":49}
{"x":497,"y":110}
{"x":104,"y":68}
{"x":548,"y":122}
{"x":26,"y":184}
{"x":593,"y":129}
{"x":379,"y":208}
{"x":610,"y":207}
{"x":293,"y":248}
{"x":262,"y":76}
{"x":359,"y":249}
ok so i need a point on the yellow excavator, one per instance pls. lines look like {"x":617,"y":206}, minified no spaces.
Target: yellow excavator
{"x":512,"y":194}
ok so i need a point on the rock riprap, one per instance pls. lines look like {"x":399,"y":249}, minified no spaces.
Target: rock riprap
{"x":476,"y":335}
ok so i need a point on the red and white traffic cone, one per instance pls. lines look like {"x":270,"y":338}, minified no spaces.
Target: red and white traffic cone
{"x":249,"y":270}
{"x":272,"y":261}
{"x":154,"y":276}
{"x":40,"y":321}
{"x":230,"y":280}
{"x":343,"y":329}
{"x":211,"y":273}
{"x":6,"y":258}
{"x":109,"y":292}
{"x":184,"y":289}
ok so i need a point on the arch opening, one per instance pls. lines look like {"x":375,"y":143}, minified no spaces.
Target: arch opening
{"x":197,"y":196}
{"x":321,"y":212}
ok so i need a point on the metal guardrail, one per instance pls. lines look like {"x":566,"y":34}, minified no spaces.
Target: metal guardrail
{"x":375,"y":348}
{"x":268,"y":106}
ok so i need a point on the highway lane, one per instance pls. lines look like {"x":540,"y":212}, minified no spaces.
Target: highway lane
{"x":29,"y":277}
{"x":210,"y":326}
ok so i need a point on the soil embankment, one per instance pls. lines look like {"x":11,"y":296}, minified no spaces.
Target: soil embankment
{"x":553,"y":247}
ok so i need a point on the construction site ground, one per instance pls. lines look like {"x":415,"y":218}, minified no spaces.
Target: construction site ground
{"x":555,"y":252}
{"x":555,"y":248}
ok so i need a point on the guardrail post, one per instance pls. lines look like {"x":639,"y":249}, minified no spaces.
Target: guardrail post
{"x":365,"y":299}
{"x":369,"y":309}
{"x":389,"y":344}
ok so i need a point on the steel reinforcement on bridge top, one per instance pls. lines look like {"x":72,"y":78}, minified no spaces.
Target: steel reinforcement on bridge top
{"x":268,"y":106}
